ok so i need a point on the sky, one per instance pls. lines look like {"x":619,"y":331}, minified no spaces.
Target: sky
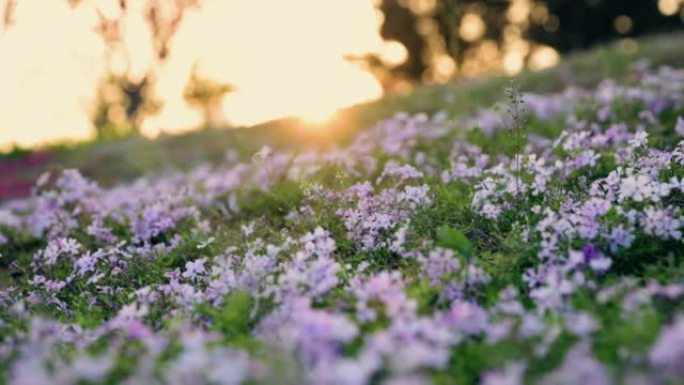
{"x":286,"y":58}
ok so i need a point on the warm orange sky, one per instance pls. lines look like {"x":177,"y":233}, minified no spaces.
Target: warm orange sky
{"x":285,"y":61}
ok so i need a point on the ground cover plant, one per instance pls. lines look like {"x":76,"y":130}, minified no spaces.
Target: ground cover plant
{"x":535,"y":241}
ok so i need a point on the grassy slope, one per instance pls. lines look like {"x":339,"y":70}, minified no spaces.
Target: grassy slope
{"x":109,"y":161}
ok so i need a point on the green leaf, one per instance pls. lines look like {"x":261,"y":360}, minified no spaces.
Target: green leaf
{"x":454,"y":239}
{"x":232,"y":318}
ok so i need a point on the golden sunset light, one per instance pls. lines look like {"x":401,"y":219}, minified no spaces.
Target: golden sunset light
{"x":52,"y":60}
{"x":75,"y":70}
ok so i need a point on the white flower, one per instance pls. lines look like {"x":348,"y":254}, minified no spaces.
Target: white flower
{"x":581,"y":324}
{"x":639,"y":140}
{"x":679,"y":127}
{"x":247,"y":229}
{"x":206,"y":243}
{"x":637,"y":188}
{"x":661,"y":223}
{"x":601,"y":264}
{"x":263,"y":153}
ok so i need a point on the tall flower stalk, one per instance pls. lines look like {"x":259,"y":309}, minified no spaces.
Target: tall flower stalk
{"x":517,"y":124}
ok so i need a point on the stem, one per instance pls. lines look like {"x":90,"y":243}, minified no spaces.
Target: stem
{"x":516,"y":112}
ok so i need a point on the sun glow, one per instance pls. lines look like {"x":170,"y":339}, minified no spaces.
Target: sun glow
{"x":285,"y":58}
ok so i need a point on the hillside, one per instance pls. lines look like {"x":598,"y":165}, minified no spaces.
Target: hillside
{"x":123,"y":159}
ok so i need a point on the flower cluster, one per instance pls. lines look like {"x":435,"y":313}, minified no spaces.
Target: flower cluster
{"x":424,"y":251}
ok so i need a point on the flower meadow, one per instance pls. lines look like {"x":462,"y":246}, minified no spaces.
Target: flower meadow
{"x":535,"y":242}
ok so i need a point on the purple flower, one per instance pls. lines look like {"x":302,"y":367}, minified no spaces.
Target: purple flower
{"x":467,"y":317}
{"x":439,"y":264}
{"x":579,"y":366}
{"x":512,"y":374}
{"x":195,"y":270}
{"x":667,"y":354}
{"x":590,"y":253}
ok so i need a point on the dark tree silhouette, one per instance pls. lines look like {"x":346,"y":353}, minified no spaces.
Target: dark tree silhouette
{"x":584,"y":23}
{"x":562,"y":24}
{"x":400,"y":24}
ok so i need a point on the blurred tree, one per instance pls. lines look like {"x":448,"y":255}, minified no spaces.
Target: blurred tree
{"x":126,"y":96}
{"x":401,"y":24}
{"x":579,"y":24}
{"x":120,"y":106}
{"x":464,"y":22}
{"x":446,"y":38}
{"x":8,"y":14}
{"x":207,"y":95}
